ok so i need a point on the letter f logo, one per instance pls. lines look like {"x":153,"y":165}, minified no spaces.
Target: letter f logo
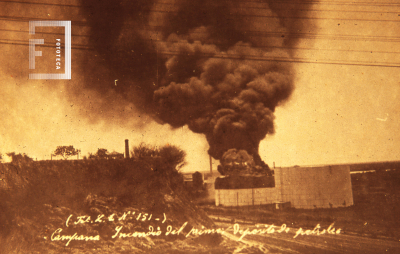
{"x":32,"y":52}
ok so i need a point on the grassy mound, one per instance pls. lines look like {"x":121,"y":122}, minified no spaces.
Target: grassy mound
{"x":39,"y":197}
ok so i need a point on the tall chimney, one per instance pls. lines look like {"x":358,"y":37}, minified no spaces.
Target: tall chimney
{"x":126,"y":149}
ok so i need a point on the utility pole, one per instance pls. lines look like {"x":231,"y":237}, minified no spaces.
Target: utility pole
{"x":211,"y":165}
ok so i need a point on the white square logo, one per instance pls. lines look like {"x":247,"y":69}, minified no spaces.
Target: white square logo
{"x":33,"y":53}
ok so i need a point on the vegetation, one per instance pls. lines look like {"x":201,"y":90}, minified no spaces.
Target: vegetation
{"x":66,"y":151}
{"x":171,"y":156}
{"x":165,"y":162}
{"x":144,"y":151}
{"x":38,"y":196}
{"x":102,"y":154}
{"x":19,"y":158}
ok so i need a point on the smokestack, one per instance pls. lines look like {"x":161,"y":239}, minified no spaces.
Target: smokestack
{"x":126,"y":149}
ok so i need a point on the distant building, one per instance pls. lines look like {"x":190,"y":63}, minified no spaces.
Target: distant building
{"x":188,"y":179}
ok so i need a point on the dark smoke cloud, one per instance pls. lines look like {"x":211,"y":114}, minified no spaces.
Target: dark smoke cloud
{"x":196,"y":63}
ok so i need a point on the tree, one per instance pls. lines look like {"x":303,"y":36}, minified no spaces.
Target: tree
{"x":144,"y":151}
{"x":170,"y":157}
{"x":66,"y":151}
{"x":102,"y":153}
{"x":173,"y":157}
{"x":165,"y":162}
{"x":16,"y":158}
{"x":115,"y":155}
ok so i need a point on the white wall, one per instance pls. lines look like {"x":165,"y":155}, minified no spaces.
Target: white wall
{"x":315,"y":187}
{"x":245,"y":197}
{"x":303,"y":187}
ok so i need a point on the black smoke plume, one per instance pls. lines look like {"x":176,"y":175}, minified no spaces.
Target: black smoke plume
{"x":215,"y":66}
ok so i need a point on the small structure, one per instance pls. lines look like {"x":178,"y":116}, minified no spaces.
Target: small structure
{"x":188,"y":180}
{"x":198,"y":180}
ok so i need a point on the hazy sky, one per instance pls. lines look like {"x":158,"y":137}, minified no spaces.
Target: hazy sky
{"x":345,"y":106}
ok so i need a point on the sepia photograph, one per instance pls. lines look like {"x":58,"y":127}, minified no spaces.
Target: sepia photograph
{"x":199,"y":126}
